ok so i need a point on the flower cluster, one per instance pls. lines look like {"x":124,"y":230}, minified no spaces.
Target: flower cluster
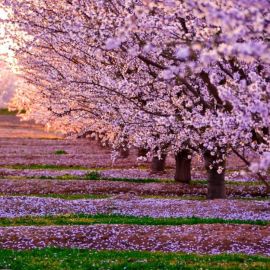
{"x":159,"y":75}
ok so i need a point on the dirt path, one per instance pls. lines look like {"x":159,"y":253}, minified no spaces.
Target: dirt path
{"x":27,"y":143}
{"x":12,"y":127}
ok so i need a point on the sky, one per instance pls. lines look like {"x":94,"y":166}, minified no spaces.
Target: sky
{"x":6,"y":76}
{"x":3,"y":48}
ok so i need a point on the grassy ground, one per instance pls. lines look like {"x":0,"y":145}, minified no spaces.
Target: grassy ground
{"x":74,"y":259}
{"x":95,"y":175}
{"x":82,"y":219}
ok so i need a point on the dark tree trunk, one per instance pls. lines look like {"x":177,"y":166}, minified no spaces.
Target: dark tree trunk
{"x":142,"y":152}
{"x":158,"y":165}
{"x":182,"y":167}
{"x":124,"y":153}
{"x":215,"y":179}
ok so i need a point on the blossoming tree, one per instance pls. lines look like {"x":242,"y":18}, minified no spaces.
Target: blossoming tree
{"x":169,"y":76}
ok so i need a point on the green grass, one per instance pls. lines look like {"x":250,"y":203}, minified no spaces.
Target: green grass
{"x":94,"y":175}
{"x":266,"y":198}
{"x":89,"y":175}
{"x":76,"y":259}
{"x":138,"y":180}
{"x":241,"y":183}
{"x":184,"y":197}
{"x":60,"y":177}
{"x":103,"y":196}
{"x":233,"y":183}
{"x":82,"y":219}
{"x":56,"y":167}
{"x":60,"y":152}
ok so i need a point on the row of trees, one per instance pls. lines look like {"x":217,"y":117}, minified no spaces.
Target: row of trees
{"x":7,"y":85}
{"x":174,"y":76}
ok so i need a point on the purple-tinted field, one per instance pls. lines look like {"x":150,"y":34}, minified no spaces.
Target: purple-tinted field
{"x":206,"y":238}
{"x":26,"y":144}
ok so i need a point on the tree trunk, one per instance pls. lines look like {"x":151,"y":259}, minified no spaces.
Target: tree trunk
{"x":182,"y":167}
{"x":215,"y":179}
{"x":158,"y":165}
{"x":124,"y":149}
{"x":142,"y":152}
{"x":124,"y":152}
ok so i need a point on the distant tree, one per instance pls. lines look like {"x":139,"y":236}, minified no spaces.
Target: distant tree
{"x":7,"y":85}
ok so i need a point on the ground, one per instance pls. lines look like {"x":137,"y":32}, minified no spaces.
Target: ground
{"x":65,"y":205}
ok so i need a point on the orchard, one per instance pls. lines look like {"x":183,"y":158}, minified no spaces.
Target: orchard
{"x":181,"y":80}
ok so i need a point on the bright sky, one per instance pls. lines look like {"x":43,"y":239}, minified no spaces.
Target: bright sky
{"x":3,"y":14}
{"x":5,"y":53}
{"x":3,"y":48}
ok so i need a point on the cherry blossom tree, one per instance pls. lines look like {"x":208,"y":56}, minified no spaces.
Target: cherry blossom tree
{"x":7,"y":85}
{"x":47,"y":60}
{"x":166,"y":76}
{"x":216,"y":55}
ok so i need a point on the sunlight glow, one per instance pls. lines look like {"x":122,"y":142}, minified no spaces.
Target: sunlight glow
{"x":6,"y":54}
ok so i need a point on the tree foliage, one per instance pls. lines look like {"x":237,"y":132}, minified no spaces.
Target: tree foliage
{"x":172,"y":75}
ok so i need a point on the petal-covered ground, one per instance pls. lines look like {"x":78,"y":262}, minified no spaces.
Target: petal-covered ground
{"x":41,"y":186}
{"x":224,"y":209}
{"x":207,"y":238}
{"x":127,"y":188}
{"x":134,"y":173}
